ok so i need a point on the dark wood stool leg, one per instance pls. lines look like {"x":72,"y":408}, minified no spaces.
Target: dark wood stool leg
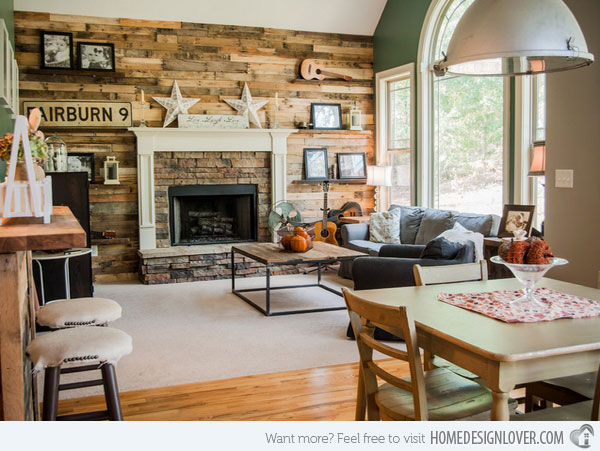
{"x":51,"y":382}
{"x":111,"y":392}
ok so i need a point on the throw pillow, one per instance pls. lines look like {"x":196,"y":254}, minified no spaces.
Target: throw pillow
{"x":461,"y":235}
{"x":385,"y":227}
{"x":434,"y":222}
{"x":410,"y":221}
{"x":476,"y":223}
{"x":441,"y":249}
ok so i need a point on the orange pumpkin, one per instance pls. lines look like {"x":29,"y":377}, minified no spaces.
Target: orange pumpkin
{"x":301,"y":233}
{"x":299,"y":244}
{"x":286,"y":242}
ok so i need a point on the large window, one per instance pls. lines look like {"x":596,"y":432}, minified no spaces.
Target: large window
{"x":395,"y":130}
{"x":467,"y":142}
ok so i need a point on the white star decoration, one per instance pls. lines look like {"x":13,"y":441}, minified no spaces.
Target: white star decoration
{"x":248,"y":107}
{"x":175,"y":104}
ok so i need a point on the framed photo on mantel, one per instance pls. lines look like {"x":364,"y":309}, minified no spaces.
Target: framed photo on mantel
{"x":315,"y":164}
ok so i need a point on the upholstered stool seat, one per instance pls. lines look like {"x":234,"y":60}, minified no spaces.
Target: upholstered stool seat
{"x":76,"y":312}
{"x":102,"y":345}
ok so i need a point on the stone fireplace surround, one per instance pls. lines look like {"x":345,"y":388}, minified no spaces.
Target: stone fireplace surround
{"x":188,"y":263}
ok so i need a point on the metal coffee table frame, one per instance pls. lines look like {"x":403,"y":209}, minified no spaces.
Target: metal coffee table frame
{"x":267,"y":311}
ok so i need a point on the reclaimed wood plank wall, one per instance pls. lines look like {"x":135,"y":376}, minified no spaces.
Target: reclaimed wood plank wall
{"x":209,"y":62}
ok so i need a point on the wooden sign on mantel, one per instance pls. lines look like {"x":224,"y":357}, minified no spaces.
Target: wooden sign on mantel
{"x":212,"y":121}
{"x":73,"y":113}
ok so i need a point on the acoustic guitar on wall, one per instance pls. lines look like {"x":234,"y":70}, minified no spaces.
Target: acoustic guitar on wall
{"x":325,"y":230}
{"x":310,"y":70}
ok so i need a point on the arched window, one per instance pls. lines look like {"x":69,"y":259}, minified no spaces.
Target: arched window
{"x":462,"y":158}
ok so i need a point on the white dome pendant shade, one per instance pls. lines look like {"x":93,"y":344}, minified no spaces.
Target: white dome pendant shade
{"x":515,"y":37}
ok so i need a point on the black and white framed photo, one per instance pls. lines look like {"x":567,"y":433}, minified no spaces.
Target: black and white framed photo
{"x":352,"y":165}
{"x":96,"y":56}
{"x":326,"y":116}
{"x":82,"y":162}
{"x":516,"y":217}
{"x":315,"y":164}
{"x":57,"y":50}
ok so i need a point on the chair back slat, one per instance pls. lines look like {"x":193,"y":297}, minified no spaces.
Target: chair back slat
{"x":466,"y":272}
{"x":383,"y":348}
{"x":363,"y":316}
{"x":390,"y":378}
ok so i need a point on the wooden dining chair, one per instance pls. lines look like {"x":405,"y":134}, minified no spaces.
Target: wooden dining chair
{"x":562,"y":391}
{"x":466,"y":272}
{"x":581,"y":411}
{"x":438,"y":394}
{"x":434,"y":275}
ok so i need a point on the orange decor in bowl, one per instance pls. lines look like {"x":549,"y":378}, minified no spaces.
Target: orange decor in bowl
{"x":300,"y":241}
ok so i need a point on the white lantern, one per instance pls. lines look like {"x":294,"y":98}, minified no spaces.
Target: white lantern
{"x":111,"y":171}
{"x":355,"y":119}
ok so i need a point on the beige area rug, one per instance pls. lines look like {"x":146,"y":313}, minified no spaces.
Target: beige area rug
{"x":200,"y":331}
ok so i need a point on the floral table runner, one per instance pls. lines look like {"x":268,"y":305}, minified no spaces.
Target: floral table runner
{"x":496,"y":304}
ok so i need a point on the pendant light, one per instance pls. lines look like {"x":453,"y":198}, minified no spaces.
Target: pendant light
{"x":515,"y":37}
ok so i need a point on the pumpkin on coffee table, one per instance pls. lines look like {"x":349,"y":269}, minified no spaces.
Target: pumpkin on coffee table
{"x":299,"y":242}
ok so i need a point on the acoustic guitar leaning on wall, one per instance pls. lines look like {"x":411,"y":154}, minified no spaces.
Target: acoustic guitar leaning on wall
{"x":325,"y":230}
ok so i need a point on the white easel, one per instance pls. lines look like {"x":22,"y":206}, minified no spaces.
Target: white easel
{"x":24,"y":199}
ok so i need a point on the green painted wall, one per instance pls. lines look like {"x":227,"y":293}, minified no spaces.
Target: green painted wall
{"x":7,"y":13}
{"x":396,"y":38}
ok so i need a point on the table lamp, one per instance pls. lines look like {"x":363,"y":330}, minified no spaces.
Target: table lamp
{"x":379,"y":176}
{"x":538,"y":163}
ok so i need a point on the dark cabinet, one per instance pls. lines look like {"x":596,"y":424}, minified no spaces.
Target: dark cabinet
{"x":69,"y":189}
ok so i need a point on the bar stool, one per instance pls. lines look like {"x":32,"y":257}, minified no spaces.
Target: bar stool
{"x":64,"y":313}
{"x":80,"y":344}
{"x":67,"y":254}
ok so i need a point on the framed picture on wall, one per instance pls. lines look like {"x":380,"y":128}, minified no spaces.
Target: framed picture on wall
{"x":57,"y":50}
{"x":9,"y":59}
{"x":516,"y":217}
{"x":96,"y":56}
{"x":352,"y":165}
{"x":82,"y":162}
{"x":315,"y":164}
{"x":326,"y":116}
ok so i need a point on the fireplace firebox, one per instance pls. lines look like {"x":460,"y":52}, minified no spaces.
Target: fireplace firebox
{"x":209,"y":214}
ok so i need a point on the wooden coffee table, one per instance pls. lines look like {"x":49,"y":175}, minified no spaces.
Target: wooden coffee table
{"x":271,"y":255}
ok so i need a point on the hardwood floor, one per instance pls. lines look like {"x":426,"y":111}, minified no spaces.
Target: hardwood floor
{"x":326,"y":393}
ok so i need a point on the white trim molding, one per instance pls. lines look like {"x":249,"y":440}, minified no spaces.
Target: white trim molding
{"x":151,"y":140}
{"x":407,"y":71}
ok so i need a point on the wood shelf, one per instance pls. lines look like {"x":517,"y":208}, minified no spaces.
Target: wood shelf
{"x":337,"y":181}
{"x":109,"y":241}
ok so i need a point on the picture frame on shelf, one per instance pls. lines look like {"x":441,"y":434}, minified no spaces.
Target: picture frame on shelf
{"x":352,"y":165}
{"x":82,"y":162}
{"x":57,"y":50}
{"x":315,"y":164}
{"x":96,"y":56}
{"x":516,"y":217}
{"x":326,"y":116}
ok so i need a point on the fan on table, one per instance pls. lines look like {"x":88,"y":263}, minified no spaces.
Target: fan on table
{"x":285,"y":215}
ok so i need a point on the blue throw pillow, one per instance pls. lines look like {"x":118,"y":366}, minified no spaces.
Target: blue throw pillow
{"x":441,"y":249}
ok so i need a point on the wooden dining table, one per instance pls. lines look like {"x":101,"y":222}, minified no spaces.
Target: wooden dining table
{"x":502,"y":354}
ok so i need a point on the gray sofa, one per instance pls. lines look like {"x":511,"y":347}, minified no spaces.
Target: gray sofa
{"x":418,"y":226}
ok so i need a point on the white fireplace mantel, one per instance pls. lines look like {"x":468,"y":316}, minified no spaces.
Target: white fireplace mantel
{"x":150,"y":140}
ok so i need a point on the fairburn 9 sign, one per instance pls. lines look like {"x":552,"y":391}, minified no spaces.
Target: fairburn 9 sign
{"x":67,"y":114}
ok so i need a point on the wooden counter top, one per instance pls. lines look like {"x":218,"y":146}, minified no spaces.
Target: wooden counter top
{"x":24,"y":234}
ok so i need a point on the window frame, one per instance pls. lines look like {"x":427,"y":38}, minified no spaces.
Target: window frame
{"x":383,"y":126}
{"x":424,"y":183}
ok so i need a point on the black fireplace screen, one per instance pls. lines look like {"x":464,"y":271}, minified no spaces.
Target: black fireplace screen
{"x":209,"y":214}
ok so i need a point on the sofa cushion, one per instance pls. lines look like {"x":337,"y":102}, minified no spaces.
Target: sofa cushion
{"x":433,"y":223}
{"x":487,"y":225}
{"x":441,"y":249}
{"x":410,"y":221}
{"x":368,"y":247}
{"x":385,"y":227}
